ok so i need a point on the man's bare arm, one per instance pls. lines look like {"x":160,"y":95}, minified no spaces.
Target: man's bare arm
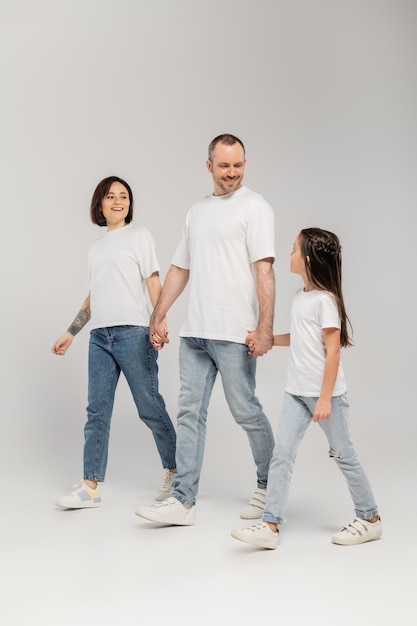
{"x":265,"y":288}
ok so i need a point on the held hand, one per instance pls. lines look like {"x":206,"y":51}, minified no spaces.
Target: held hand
{"x":250,"y":341}
{"x":259,"y":342}
{"x":62,"y":344}
{"x":322,"y":410}
{"x":158,"y":335}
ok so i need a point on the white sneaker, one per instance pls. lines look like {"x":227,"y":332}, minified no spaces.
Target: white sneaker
{"x":258,"y":535}
{"x":83,"y":497}
{"x":167,"y":485}
{"x":256,"y":505}
{"x":359,"y":531}
{"x":170,"y":511}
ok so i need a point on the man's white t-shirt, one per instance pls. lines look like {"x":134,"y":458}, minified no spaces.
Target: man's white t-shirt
{"x":119,"y":264}
{"x":222,"y":237}
{"x":311,"y":312}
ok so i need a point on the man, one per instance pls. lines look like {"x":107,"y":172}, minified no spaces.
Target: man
{"x":227,"y":254}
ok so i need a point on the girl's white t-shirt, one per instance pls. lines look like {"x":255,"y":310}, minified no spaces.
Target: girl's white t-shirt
{"x":119,"y":264}
{"x":311,"y":312}
{"x":222,"y":237}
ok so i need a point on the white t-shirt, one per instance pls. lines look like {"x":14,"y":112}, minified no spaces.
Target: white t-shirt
{"x":222,"y":237}
{"x":311,"y":312}
{"x":119,"y":263}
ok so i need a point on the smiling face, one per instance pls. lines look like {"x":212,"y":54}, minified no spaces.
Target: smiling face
{"x":115,"y":206}
{"x":227,"y":166}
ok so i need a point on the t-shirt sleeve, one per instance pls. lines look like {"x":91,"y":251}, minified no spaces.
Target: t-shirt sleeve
{"x":146,"y":254}
{"x":329,"y":315}
{"x":260,"y":231}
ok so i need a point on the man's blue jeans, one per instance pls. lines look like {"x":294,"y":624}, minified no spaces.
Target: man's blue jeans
{"x":124,"y":349}
{"x":200,"y":360}
{"x":296,"y":416}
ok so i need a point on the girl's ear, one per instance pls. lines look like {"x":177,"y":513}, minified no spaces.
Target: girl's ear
{"x":308,"y":259}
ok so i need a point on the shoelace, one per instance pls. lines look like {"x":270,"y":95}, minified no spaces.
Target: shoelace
{"x":168,"y":480}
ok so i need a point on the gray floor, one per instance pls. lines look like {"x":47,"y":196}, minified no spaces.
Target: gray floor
{"x":108,"y":566}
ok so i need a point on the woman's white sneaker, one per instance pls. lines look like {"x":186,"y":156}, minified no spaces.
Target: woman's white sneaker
{"x":167,"y":485}
{"x":83,"y":497}
{"x":359,"y":531}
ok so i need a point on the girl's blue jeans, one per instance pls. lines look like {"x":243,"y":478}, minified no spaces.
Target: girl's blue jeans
{"x":296,"y":416}
{"x":125,"y":349}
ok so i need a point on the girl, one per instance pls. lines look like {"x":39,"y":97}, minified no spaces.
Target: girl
{"x":122,"y":268}
{"x":315,"y":391}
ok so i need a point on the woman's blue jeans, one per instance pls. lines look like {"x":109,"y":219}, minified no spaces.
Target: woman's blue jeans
{"x":200,"y":360}
{"x":296,"y":416}
{"x":125,"y":349}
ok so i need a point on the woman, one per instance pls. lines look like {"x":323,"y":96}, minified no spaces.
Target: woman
{"x":123,"y":270}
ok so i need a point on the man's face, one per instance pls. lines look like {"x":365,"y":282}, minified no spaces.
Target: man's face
{"x":227,"y":167}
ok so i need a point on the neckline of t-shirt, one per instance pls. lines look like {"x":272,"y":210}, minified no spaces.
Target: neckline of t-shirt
{"x":118,"y":230}
{"x":226,"y":196}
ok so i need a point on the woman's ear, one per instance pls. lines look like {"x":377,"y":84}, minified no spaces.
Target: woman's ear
{"x":308,"y":259}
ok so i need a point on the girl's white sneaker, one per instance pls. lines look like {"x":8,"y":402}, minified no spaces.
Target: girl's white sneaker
{"x":359,"y":531}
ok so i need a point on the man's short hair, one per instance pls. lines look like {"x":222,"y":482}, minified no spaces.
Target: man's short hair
{"x":227,"y":140}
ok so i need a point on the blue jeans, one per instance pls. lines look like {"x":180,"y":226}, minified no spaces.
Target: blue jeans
{"x":297,"y":412}
{"x":200,"y":360}
{"x":124,"y":349}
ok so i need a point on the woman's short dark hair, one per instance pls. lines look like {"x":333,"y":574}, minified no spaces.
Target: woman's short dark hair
{"x":100,"y":192}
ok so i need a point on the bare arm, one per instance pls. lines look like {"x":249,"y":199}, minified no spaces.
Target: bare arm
{"x":265,"y":288}
{"x":282,"y":340}
{"x":174,"y":284}
{"x":62,"y":344}
{"x":323,"y":408}
{"x":154,"y":287}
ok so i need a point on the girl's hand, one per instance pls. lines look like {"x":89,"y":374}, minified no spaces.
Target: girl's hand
{"x":322,"y":410}
{"x":250,"y":341}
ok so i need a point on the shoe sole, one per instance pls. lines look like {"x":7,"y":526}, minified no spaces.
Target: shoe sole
{"x":258,"y":543}
{"x":158,"y":520}
{"x":340,"y":542}
{"x":251,"y":515}
{"x":163,"y":496}
{"x":92,"y":505}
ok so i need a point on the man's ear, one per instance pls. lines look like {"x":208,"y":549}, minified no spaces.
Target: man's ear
{"x":209,"y":166}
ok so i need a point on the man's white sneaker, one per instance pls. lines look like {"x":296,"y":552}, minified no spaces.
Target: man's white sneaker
{"x":359,"y":531}
{"x":255,"y":507}
{"x":170,"y":511}
{"x":83,"y":497}
{"x":258,"y":535}
{"x":167,"y":485}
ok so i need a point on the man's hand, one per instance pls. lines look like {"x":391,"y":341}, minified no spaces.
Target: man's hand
{"x":259,"y":342}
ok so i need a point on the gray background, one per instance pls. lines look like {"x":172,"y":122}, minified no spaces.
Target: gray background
{"x":323,"y":94}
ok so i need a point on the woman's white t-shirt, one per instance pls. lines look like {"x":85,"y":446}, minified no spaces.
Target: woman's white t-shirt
{"x":119,"y":264}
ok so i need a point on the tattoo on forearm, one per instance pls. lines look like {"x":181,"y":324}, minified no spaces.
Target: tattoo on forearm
{"x":79,"y":322}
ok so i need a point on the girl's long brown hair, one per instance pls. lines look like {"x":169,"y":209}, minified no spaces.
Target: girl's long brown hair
{"x":322,"y":254}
